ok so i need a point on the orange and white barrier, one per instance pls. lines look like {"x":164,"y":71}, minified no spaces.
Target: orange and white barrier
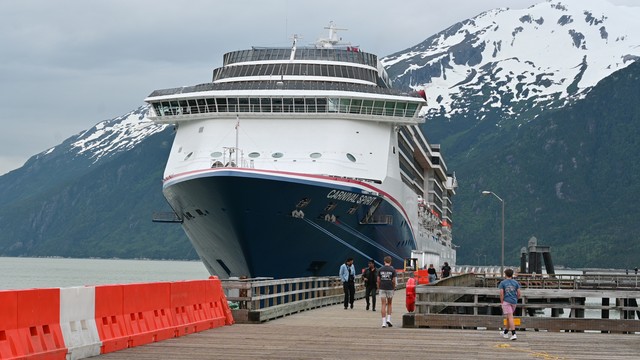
{"x":80,"y":322}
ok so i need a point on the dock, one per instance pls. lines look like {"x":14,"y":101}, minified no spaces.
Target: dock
{"x":330,"y":332}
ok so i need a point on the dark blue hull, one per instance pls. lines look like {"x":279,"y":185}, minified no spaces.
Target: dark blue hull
{"x":248,"y":223}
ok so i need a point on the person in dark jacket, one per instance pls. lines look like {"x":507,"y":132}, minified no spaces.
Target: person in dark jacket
{"x":446,"y":270}
{"x":370,"y":277}
{"x":433,"y":275}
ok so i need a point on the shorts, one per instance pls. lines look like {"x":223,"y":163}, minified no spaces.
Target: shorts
{"x":386,"y":294}
{"x":508,"y":308}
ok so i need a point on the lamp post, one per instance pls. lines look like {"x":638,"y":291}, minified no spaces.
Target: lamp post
{"x":485,"y":192}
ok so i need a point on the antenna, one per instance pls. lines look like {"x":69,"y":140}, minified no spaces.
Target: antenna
{"x":333,"y":38}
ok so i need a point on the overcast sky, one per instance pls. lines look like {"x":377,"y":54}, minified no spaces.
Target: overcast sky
{"x":66,"y":65}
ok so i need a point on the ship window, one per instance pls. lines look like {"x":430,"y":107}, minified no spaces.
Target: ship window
{"x":400,"y":106}
{"x":188,"y":155}
{"x":388,"y":108}
{"x":277,"y":155}
{"x":367,"y":106}
{"x":290,"y":70}
{"x":277,"y":105}
{"x":355,"y":106}
{"x":202,"y":106}
{"x":265,"y":104}
{"x":243,"y":104}
{"x":411,"y":109}
{"x":315,"y":155}
{"x":344,"y":105}
{"x":201,"y":129}
{"x":333,"y":105}
{"x":378,"y":107}
{"x":222,"y":104}
{"x":232,"y":104}
{"x":254,"y":104}
{"x":288,"y":104}
{"x":216,"y":154}
{"x":322,"y":105}
{"x":254,"y":154}
{"x":211,"y":104}
{"x":298,"y":104}
{"x":351,"y":157}
{"x":311,"y":105}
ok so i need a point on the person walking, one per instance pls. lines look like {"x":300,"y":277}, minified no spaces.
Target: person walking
{"x":370,"y":277}
{"x":387,"y":278}
{"x":446,"y":270}
{"x":348,"y":275}
{"x":509,"y":295}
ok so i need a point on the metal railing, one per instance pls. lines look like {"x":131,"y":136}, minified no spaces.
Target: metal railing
{"x":259,"y":299}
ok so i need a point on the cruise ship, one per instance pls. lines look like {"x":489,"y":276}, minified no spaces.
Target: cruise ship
{"x":293,"y":159}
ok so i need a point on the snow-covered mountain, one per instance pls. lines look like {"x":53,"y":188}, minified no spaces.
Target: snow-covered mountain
{"x":546,"y":55}
{"x":110,"y":136}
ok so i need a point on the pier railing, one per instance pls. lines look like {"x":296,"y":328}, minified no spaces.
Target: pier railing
{"x":260,"y":299}
{"x":454,"y":302}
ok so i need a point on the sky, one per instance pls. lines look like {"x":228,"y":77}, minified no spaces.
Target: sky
{"x":66,"y":65}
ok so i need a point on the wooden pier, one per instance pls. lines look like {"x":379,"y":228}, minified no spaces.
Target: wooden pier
{"x":335,"y":333}
{"x":330,"y":332}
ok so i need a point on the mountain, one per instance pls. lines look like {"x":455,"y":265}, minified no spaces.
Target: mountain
{"x":540,"y":106}
{"x":93,"y":196}
{"x":515,"y":62}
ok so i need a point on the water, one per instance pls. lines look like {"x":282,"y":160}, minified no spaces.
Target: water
{"x":25,"y":273}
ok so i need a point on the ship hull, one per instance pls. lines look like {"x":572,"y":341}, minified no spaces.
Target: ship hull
{"x":265,"y":224}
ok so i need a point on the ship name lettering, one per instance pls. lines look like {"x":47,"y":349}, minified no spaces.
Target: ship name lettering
{"x":351,"y":197}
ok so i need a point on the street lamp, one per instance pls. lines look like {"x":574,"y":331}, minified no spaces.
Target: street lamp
{"x":485,"y":192}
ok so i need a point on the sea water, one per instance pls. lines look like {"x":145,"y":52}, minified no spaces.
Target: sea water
{"x":25,"y":273}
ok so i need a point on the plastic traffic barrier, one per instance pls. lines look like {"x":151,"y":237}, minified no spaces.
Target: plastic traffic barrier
{"x":10,"y":345}
{"x":188,"y":302}
{"x":422,"y":276}
{"x":77,"y":321}
{"x":218,"y":307}
{"x":38,"y":324}
{"x":147,"y":310}
{"x":109,"y":314}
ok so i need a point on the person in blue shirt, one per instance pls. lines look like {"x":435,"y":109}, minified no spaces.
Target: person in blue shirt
{"x":509,"y":295}
{"x":348,"y":275}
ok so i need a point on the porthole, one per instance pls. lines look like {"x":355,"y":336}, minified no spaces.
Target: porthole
{"x":315,"y":155}
{"x":351,"y":157}
{"x":277,"y":155}
{"x":216,"y":154}
{"x":188,"y":155}
{"x":254,"y":154}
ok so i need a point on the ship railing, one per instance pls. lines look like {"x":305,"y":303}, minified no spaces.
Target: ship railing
{"x":258,"y":300}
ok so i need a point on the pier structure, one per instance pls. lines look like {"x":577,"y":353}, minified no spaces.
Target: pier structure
{"x":328,"y":332}
{"x":297,"y":319}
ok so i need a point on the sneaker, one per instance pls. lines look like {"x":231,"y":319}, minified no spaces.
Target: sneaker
{"x":389,"y":324}
{"x":384,"y":324}
{"x":367,"y":306}
{"x":374,"y":309}
{"x":513,"y":337}
{"x":505,"y":335}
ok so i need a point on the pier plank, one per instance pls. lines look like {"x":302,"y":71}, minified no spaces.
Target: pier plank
{"x":334,"y":333}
